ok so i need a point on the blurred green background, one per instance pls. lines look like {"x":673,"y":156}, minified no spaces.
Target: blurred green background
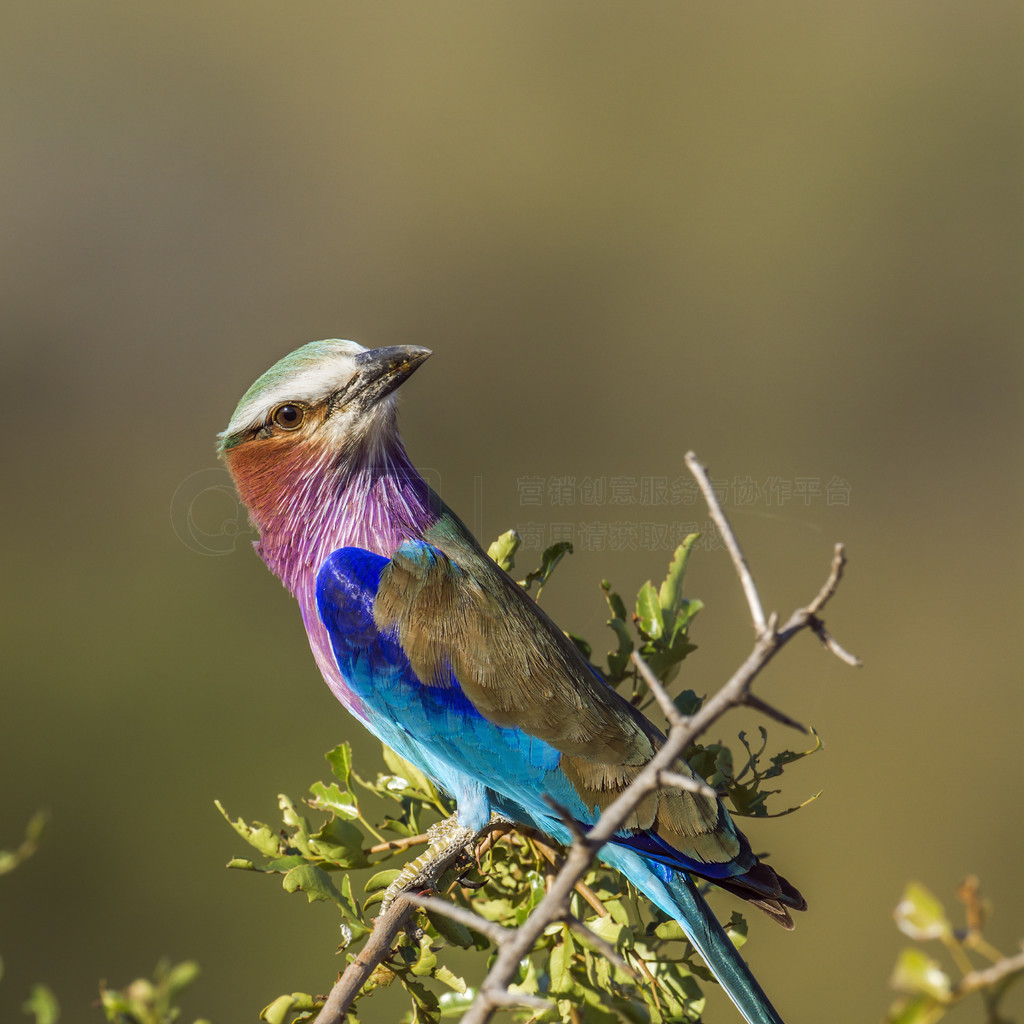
{"x":786,"y":235}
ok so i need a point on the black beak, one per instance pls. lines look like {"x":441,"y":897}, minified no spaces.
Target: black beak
{"x":378,"y":372}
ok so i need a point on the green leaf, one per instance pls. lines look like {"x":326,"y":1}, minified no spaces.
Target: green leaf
{"x":453,"y":932}
{"x":504,"y":549}
{"x":149,"y":1002}
{"x":670,"y":595}
{"x":920,"y":1009}
{"x":532,"y":893}
{"x":562,"y":982}
{"x":353,"y":925}
{"x":615,"y":603}
{"x":918,"y":974}
{"x":684,"y":616}
{"x":455,"y":1004}
{"x":283,"y":1007}
{"x":10,"y":859}
{"x":334,"y":799}
{"x":314,"y":882}
{"x":607,"y":928}
{"x":920,"y":915}
{"x":618,"y":660}
{"x":581,"y":645}
{"x":296,"y":822}
{"x":381,"y":880}
{"x":257,"y":835}
{"x":423,"y":998}
{"x":688,"y":703}
{"x":651,"y":622}
{"x":278,"y":1011}
{"x":281,"y":865}
{"x":427,"y":959}
{"x":179,"y":976}
{"x":404,"y":830}
{"x":551,"y":557}
{"x":670,"y":931}
{"x":737,"y":929}
{"x":526,"y":980}
{"x":340,"y":842}
{"x":449,"y":978}
{"x":499,"y":910}
{"x":340,"y":760}
{"x":663,"y":656}
{"x":42,"y":1004}
{"x":404,"y":770}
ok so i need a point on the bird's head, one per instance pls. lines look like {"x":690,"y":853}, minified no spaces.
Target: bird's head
{"x":325,"y":408}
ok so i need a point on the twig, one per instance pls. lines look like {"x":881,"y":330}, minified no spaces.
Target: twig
{"x":506,"y":998}
{"x":378,"y":946}
{"x":603,"y":946}
{"x":539,"y":840}
{"x":376,"y":950}
{"x":691,"y":785}
{"x":651,"y":980}
{"x":828,"y":588}
{"x":399,"y":844}
{"x":732,"y":544}
{"x":665,"y":702}
{"x":807,"y":618}
{"x":495,"y":932}
{"x":988,"y":977}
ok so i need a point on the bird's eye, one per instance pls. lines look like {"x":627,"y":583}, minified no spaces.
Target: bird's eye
{"x":288,"y":416}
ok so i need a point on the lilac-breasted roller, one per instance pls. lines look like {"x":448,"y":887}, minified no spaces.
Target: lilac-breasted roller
{"x":447,"y":660}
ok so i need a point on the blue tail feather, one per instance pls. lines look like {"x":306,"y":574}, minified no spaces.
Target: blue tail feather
{"x":678,"y":896}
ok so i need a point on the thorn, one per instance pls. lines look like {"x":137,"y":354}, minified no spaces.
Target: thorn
{"x":772,"y":712}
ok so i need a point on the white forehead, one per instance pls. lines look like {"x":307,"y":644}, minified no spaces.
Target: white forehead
{"x":309,"y":374}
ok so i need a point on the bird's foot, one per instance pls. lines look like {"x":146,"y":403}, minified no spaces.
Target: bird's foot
{"x":447,"y":840}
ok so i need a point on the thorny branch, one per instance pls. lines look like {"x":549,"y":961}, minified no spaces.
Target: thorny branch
{"x":514,"y":945}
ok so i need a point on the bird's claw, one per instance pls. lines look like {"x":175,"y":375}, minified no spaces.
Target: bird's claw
{"x":446,"y":840}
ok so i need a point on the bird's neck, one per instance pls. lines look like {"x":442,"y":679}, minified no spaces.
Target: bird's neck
{"x":373,"y":500}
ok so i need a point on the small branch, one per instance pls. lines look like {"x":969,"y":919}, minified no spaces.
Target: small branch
{"x":691,"y":785}
{"x":566,"y":817}
{"x":733,"y":546}
{"x":506,"y":998}
{"x":540,"y":841}
{"x":399,"y":844}
{"x":605,"y":948}
{"x":494,"y":931}
{"x":989,"y":976}
{"x":808,"y":617}
{"x":828,"y":588}
{"x":377,"y":948}
{"x":665,"y":702}
{"x":830,"y":643}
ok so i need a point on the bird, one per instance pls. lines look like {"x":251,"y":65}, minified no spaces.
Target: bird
{"x":433,"y":647}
